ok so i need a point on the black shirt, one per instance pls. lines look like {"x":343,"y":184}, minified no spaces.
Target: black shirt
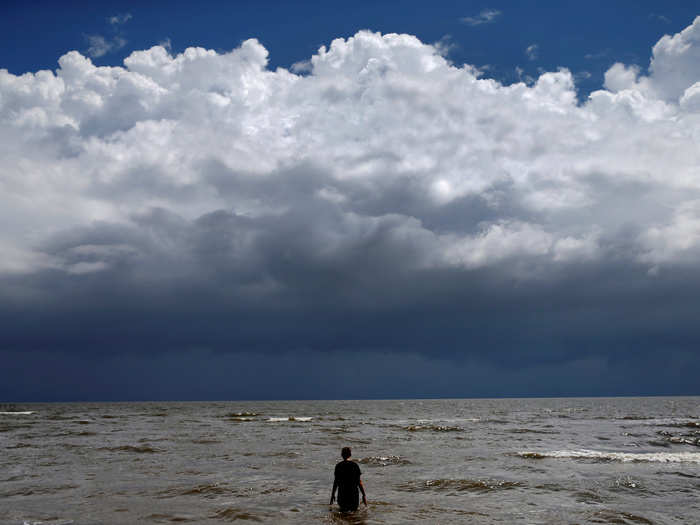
{"x":347,"y":477}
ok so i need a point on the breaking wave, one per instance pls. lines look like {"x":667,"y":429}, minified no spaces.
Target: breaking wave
{"x":624,"y":457}
{"x":384,"y":461}
{"x":433,"y":428}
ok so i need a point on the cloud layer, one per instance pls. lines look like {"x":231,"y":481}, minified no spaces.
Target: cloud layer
{"x":385,"y":200}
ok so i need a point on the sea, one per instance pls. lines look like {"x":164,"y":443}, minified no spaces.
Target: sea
{"x":479,"y":461}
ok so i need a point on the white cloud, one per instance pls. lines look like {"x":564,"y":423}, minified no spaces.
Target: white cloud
{"x":662,"y":18}
{"x":674,"y":62}
{"x":444,"y":45}
{"x":381,"y":139}
{"x":532,"y":51}
{"x":582,"y":75}
{"x":486,"y":16}
{"x":303,"y":66}
{"x":100,"y":46}
{"x":119,"y":19}
{"x":672,"y":70}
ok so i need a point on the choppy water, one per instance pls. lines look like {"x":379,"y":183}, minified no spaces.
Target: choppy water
{"x":622,"y":460}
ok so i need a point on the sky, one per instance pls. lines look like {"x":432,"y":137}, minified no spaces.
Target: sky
{"x":275,"y":200}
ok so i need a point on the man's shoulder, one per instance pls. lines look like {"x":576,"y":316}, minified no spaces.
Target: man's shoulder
{"x":349,"y":464}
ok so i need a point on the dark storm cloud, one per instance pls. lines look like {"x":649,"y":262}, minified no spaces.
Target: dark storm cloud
{"x":189,"y":292}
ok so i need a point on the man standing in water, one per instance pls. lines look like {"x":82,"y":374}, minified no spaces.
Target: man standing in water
{"x":347,"y":481}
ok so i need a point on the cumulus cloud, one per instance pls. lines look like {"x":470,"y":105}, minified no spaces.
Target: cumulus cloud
{"x":486,"y":16}
{"x":382,"y":128}
{"x":672,"y":69}
{"x":384,"y":187}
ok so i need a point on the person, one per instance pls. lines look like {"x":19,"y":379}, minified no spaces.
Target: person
{"x":347,"y":481}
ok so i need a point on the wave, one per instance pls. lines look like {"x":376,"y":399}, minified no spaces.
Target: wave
{"x":208,"y":490}
{"x":450,"y":420}
{"x":628,"y":482}
{"x":14,"y":413}
{"x":283,"y":454}
{"x":672,"y":422}
{"x":235,"y":514}
{"x":168,"y":518}
{"x":531,"y":431}
{"x":685,"y":424}
{"x":60,"y":522}
{"x":624,"y":457}
{"x":290,"y":418}
{"x":143,"y":449}
{"x":688,"y":438}
{"x":614,"y":516}
{"x":459,"y":485}
{"x":384,"y":461}
{"x":242,"y":414}
{"x":39,"y":491}
{"x":205,"y":441}
{"x":433,"y":428}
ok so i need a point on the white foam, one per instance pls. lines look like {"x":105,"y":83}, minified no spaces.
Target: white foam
{"x":27,"y":413}
{"x":290,"y":418}
{"x":625,"y":457}
{"x":63,"y":522}
{"x":669,"y":422}
{"x":446,"y":420}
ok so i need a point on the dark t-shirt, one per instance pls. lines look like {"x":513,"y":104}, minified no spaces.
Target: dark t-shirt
{"x":347,"y":476}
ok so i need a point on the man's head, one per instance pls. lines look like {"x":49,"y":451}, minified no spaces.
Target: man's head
{"x":346,"y":452}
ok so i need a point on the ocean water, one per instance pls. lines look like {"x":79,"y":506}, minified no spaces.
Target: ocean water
{"x":507,"y":461}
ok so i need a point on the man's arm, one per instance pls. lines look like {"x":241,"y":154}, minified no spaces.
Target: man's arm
{"x":362,"y":489}
{"x":335,"y":486}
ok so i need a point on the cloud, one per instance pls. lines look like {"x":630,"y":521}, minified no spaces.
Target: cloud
{"x":486,"y":16}
{"x":445,"y":45}
{"x":384,"y":201}
{"x":100,"y":46}
{"x":119,"y":19}
{"x":604,"y":54}
{"x":671,"y":70}
{"x":531,"y":51}
{"x":662,"y":18}
{"x":303,"y":66}
{"x":582,"y":75}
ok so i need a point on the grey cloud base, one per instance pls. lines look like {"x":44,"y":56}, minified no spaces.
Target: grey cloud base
{"x":201,"y":227}
{"x":426,"y":334}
